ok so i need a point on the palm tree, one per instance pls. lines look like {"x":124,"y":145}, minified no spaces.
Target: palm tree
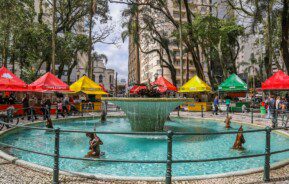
{"x":132,"y":31}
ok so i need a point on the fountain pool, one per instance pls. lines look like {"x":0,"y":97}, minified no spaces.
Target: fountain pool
{"x":146,"y":148}
{"x":147,"y":114}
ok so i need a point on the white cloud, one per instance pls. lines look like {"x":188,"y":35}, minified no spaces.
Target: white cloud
{"x":117,"y":55}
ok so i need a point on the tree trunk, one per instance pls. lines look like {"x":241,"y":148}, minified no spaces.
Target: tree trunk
{"x":285,"y":34}
{"x":53,"y":36}
{"x":191,"y":42}
{"x":60,"y":70}
{"x":221,"y":58}
{"x":5,"y":49}
{"x":173,"y":75}
{"x":70,"y":69}
{"x":89,"y":63}
{"x":188,"y":68}
{"x":268,"y":42}
{"x":40,"y":14}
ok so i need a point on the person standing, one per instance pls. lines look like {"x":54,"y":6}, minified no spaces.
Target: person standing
{"x":32,"y":103}
{"x":216,"y":105}
{"x":267,"y":102}
{"x":59,"y":109}
{"x":25,"y":105}
{"x":278,"y":105}
{"x":228,"y":103}
{"x":65,"y":103}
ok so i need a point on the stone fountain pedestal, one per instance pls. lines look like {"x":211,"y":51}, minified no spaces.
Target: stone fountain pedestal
{"x":147,"y":114}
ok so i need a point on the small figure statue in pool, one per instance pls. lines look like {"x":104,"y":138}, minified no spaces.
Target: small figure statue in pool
{"x":239,"y":139}
{"x":94,"y":145}
{"x":49,"y":123}
{"x":228,"y":121}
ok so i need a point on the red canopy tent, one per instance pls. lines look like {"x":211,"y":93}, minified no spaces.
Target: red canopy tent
{"x":10,"y":82}
{"x":49,"y":83}
{"x":103,"y":88}
{"x":135,"y":89}
{"x":279,"y":81}
{"x":164,"y":85}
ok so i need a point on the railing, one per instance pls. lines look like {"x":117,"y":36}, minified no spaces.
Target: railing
{"x":170,"y":136}
{"x":169,"y":161}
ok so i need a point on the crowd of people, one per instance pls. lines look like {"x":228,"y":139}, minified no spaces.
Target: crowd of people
{"x":34,"y":104}
{"x":275,"y":104}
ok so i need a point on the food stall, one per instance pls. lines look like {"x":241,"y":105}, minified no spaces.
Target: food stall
{"x":276,"y":83}
{"x":198,"y":88}
{"x":49,"y":84}
{"x":91,"y":89}
{"x":234,"y":87}
{"x":136,"y":88}
{"x":163,"y":85}
{"x":10,"y":83}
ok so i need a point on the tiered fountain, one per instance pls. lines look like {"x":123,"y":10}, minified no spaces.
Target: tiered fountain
{"x":147,"y":114}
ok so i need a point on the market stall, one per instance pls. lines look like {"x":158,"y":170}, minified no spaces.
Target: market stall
{"x":163,"y":85}
{"x":136,"y":88}
{"x":87,"y":86}
{"x":234,"y":87}
{"x":9,"y":85}
{"x":278,"y":82}
{"x":197,"y":86}
{"x":49,"y":84}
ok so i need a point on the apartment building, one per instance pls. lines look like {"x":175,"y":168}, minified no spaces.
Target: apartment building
{"x":151,"y":64}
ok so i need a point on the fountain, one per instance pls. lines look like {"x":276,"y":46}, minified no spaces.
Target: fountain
{"x":147,"y":114}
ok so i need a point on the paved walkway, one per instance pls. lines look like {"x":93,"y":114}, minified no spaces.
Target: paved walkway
{"x":14,"y":174}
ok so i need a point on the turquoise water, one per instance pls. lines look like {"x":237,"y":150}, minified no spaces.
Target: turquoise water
{"x":147,"y":148}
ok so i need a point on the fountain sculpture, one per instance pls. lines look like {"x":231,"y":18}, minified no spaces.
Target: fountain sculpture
{"x":147,"y":114}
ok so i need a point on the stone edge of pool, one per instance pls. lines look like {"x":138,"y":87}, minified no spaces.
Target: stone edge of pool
{"x":37,"y":167}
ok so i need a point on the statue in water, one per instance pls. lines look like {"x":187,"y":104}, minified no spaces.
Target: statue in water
{"x":94,"y":146}
{"x":239,"y":139}
{"x":49,"y":123}
{"x":228,"y":121}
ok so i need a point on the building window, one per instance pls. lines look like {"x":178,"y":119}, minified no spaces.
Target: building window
{"x":110,"y":79}
{"x":100,"y":79}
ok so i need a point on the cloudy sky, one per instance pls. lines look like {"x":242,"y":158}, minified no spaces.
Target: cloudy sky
{"x":117,"y":54}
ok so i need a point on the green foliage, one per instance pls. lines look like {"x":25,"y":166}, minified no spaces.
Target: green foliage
{"x":25,"y":39}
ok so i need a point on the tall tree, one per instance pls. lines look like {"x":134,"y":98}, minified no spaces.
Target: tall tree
{"x":53,"y":36}
{"x":285,"y":34}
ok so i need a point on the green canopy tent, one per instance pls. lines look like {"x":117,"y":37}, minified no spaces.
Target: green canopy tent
{"x":234,"y":86}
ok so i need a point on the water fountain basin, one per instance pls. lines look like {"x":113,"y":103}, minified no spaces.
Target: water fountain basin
{"x":147,"y":114}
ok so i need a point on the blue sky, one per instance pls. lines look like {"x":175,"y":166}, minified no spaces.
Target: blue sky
{"x":117,"y":54}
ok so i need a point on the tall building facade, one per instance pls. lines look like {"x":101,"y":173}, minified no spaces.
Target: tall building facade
{"x":151,"y":64}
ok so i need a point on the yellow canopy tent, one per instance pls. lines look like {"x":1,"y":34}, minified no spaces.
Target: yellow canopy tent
{"x":87,"y":86}
{"x":195,"y":85}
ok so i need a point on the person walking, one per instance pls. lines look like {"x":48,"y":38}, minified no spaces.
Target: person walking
{"x":59,"y":109}
{"x":65,"y":103}
{"x":216,"y":105}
